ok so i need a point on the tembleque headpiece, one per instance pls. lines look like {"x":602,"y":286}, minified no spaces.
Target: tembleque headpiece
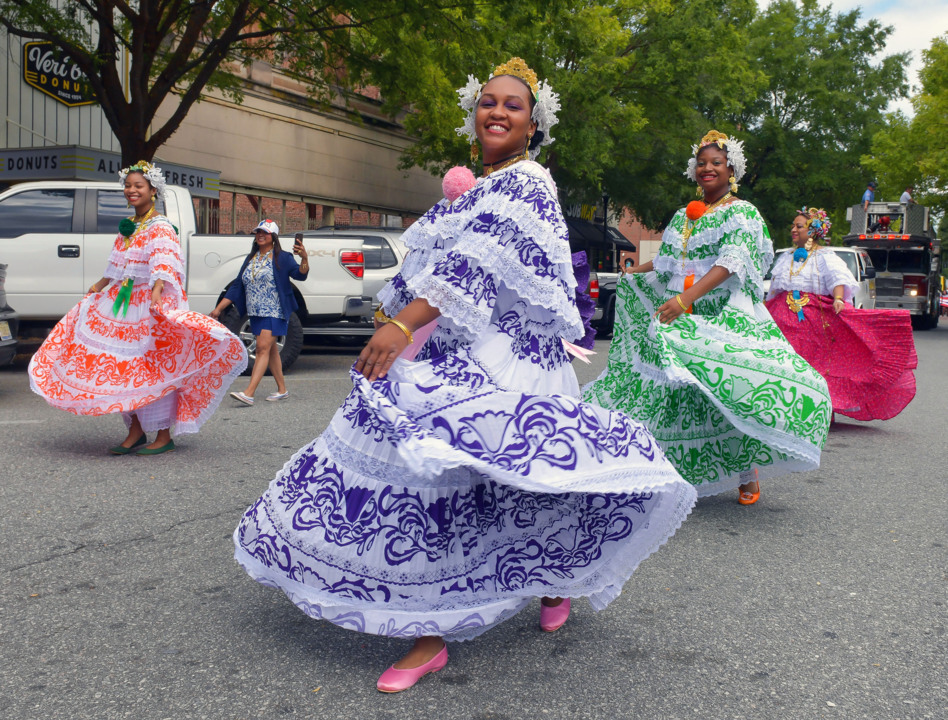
{"x":817,"y":222}
{"x":547,"y":102}
{"x":735,"y":154}
{"x":151,"y":172}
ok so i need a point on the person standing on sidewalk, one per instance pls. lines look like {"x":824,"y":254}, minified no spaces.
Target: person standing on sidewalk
{"x":262,"y":291}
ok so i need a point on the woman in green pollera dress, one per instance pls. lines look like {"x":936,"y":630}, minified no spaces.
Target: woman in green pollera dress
{"x":697,"y":358}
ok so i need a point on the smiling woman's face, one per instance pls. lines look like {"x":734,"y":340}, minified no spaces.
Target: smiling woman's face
{"x":712,"y":172}
{"x":798,"y":233}
{"x":138,"y":192}
{"x":502,"y":121}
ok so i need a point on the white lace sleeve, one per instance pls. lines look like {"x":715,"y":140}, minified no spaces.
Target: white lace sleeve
{"x":164,"y":256}
{"x":832,"y":272}
{"x":746,"y":249}
{"x":779,"y":276}
{"x":508,"y":232}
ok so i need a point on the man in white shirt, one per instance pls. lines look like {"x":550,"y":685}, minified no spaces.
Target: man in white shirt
{"x":906,"y":198}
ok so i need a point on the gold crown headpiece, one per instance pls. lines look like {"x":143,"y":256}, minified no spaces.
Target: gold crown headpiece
{"x":735,"y":153}
{"x":714,"y":137}
{"x":543,"y":113}
{"x":518,"y":68}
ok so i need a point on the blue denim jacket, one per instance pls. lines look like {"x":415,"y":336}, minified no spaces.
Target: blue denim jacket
{"x":286,"y":268}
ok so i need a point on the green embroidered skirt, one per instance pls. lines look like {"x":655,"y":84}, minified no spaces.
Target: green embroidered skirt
{"x":722,"y":391}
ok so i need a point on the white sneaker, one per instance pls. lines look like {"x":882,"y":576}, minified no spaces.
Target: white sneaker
{"x":274,"y":397}
{"x":240,"y":397}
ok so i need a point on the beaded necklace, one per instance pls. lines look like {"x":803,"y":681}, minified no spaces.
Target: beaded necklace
{"x":138,"y":227}
{"x":690,"y":226}
{"x":791,"y":271}
{"x":514,"y":159}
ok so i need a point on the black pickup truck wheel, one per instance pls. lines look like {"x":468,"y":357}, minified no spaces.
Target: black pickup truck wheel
{"x":290,"y":345}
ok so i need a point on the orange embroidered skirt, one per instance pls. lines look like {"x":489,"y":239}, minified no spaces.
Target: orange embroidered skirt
{"x":171,"y":367}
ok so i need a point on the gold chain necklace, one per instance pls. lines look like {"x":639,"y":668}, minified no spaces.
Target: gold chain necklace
{"x":690,"y":226}
{"x":799,"y":269}
{"x":255,"y":267}
{"x":141,"y":224}
{"x":518,"y":158}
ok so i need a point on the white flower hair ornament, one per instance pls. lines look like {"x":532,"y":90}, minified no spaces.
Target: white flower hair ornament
{"x":545,"y":108}
{"x":735,"y":154}
{"x":151,"y":172}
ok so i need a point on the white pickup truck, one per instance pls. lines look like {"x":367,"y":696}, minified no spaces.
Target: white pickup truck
{"x":56,"y":236}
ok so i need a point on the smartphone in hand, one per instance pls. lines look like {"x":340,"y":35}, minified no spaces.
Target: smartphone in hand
{"x":298,"y":243}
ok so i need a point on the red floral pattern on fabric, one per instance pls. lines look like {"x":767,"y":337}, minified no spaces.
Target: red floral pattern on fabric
{"x":94,"y":363}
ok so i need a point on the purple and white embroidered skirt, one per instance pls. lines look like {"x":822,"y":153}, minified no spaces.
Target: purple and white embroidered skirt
{"x":436,"y":503}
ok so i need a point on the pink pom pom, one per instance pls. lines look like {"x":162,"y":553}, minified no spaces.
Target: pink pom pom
{"x":457,"y":181}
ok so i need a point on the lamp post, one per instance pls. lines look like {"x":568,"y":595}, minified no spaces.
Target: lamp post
{"x":605,"y":227}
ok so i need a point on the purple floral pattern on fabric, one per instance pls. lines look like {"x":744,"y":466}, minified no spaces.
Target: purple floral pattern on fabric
{"x":445,"y":496}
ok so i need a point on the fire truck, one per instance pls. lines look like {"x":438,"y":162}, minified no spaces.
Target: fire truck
{"x":906,"y":255}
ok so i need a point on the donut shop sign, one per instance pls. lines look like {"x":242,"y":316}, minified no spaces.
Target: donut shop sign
{"x":50,"y":71}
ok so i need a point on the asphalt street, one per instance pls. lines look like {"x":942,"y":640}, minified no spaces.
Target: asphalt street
{"x":121,"y":599}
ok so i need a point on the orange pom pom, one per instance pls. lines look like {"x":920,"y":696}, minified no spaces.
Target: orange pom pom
{"x":695,"y":209}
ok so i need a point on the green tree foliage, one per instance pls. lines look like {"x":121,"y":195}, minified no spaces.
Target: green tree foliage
{"x":178,"y":50}
{"x":915,"y":151}
{"x":824,"y":99}
{"x":636,"y":80}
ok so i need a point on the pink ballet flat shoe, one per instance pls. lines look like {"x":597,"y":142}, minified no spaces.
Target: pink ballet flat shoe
{"x":394,"y":680}
{"x":552,"y":618}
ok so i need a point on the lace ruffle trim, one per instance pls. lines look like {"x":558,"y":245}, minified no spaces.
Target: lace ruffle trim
{"x":737,"y":216}
{"x":442,"y":232}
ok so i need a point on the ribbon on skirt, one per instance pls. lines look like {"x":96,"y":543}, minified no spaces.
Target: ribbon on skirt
{"x":124,"y":298}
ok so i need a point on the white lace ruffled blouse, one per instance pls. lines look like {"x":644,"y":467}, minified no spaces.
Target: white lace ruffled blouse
{"x":822,"y":272}
{"x":497,"y":264}
{"x":734,"y":237}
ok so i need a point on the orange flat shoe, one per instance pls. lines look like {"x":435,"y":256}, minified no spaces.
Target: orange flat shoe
{"x":746,"y":497}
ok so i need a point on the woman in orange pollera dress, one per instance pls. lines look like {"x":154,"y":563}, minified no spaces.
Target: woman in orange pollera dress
{"x":131,"y":345}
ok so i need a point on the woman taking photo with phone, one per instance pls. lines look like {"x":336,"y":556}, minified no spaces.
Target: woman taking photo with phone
{"x":262,"y":291}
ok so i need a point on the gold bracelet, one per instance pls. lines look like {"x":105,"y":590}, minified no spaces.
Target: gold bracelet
{"x":404,"y":329}
{"x":838,"y":298}
{"x":381,"y":316}
{"x":683,"y":307}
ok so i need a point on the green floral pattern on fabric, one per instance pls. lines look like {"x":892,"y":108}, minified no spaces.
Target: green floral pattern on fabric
{"x":722,"y":391}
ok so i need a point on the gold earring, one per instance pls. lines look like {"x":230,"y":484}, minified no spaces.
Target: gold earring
{"x":698,"y":191}
{"x":526,"y":148}
{"x":733,"y":182}
{"x":475,"y":152}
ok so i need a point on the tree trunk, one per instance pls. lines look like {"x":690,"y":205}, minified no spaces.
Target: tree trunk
{"x":134,"y":146}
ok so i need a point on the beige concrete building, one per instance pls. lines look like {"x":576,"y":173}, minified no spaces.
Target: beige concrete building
{"x":275,"y":155}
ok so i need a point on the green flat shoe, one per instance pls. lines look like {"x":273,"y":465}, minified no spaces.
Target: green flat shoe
{"x":167,"y":447}
{"x":122,"y":450}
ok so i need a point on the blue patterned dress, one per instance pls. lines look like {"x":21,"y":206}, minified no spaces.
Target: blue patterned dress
{"x":443,"y":498}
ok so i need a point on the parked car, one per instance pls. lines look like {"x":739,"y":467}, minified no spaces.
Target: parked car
{"x":605,"y":319}
{"x":56,"y":237}
{"x":9,"y":324}
{"x":859,"y":264}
